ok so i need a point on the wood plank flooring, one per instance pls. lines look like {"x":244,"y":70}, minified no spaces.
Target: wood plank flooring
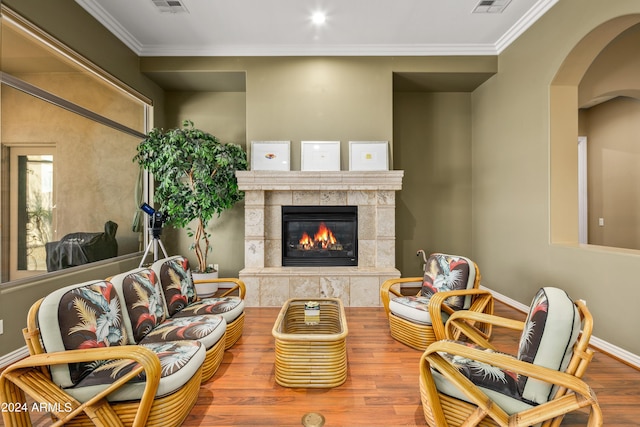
{"x":381,"y":387}
{"x":382,"y":383}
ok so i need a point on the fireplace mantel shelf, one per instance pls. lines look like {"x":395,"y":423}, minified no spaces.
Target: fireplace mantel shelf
{"x":307,"y":180}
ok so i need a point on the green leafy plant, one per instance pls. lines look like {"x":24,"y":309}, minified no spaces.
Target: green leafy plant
{"x":195,"y":179}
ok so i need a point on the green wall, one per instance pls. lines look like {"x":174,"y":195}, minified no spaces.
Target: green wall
{"x":512,"y":170}
{"x":345,"y":98}
{"x":432,"y":144}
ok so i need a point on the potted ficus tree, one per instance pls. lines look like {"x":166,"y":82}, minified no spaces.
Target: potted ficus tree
{"x":195,"y":180}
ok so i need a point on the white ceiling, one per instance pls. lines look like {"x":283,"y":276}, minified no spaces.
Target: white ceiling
{"x":284,"y":28}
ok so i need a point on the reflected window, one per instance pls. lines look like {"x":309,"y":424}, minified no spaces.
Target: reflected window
{"x":32,"y":208}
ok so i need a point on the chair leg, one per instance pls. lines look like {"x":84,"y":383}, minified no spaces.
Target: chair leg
{"x":9,"y":393}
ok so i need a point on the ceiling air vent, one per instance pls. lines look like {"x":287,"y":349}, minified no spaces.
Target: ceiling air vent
{"x":170,"y":6}
{"x":491,"y":6}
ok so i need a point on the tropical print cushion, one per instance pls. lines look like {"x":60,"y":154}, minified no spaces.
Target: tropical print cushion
{"x":485,"y":375}
{"x":413,"y":308}
{"x":499,"y":384}
{"x":446,"y":273}
{"x":206,"y":329}
{"x":551,"y":329}
{"x":176,"y":282}
{"x":179,"y":360}
{"x":228,"y":307}
{"x":142,"y":298}
{"x":90,"y":316}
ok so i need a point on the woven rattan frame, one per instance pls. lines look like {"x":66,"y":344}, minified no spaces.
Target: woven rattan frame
{"x":419,"y":336}
{"x":235,"y":328}
{"x":572,"y":393}
{"x":311,"y":356}
{"x":30,"y":376}
{"x":234,"y":331}
{"x":213,"y":359}
{"x":169,"y":410}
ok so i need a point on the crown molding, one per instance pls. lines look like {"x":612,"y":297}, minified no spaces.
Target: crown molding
{"x":321,"y":50}
{"x":523,"y":24}
{"x":105,"y":18}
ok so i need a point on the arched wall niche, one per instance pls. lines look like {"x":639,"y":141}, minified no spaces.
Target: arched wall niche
{"x":564,"y":105}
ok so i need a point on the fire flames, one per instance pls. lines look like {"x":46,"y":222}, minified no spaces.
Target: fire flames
{"x":323,"y":239}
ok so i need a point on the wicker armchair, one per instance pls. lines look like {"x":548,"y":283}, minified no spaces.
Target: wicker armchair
{"x":450,"y":283}
{"x":468,"y":384}
{"x":182,"y":300}
{"x":109,"y":384}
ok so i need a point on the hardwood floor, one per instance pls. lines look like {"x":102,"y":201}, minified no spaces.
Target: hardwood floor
{"x":382,"y":384}
{"x":381,"y":387}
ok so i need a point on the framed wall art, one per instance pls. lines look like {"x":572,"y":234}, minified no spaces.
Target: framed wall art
{"x":320,"y":155}
{"x":270,"y":155}
{"x":368,"y":155}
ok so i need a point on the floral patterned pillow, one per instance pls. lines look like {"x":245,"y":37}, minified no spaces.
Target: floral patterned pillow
{"x":176,"y":282}
{"x":90,"y":316}
{"x":143,"y":301}
{"x":447,"y":273}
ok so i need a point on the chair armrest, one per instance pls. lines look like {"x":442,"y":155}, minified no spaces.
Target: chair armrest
{"x":461,"y":323}
{"x":147,"y":360}
{"x":388,"y":288}
{"x":238,"y":285}
{"x":482,"y":302}
{"x":583,"y":397}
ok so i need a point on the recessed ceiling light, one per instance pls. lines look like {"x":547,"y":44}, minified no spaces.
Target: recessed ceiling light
{"x":318,"y":18}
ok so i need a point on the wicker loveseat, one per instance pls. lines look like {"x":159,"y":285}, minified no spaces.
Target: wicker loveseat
{"x":105,"y":352}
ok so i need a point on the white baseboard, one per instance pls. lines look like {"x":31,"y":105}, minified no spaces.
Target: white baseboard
{"x":602,"y":345}
{"x":14,"y":356}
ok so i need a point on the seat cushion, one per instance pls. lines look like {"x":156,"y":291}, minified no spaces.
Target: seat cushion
{"x":176,"y":283}
{"x":227,"y":307}
{"x":143,"y":302}
{"x":412,"y":308}
{"x":551,"y":330}
{"x":179,"y":360}
{"x":444,"y":272}
{"x":80,"y":316}
{"x":208,"y":329}
{"x":500,"y":385}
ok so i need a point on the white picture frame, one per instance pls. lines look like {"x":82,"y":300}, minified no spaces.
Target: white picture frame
{"x":271,"y":155}
{"x":368,"y":155}
{"x":320,"y":156}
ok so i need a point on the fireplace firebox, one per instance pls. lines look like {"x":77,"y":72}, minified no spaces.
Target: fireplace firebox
{"x":319,"y":236}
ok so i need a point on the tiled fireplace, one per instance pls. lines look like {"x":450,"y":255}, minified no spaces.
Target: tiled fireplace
{"x":372,"y":194}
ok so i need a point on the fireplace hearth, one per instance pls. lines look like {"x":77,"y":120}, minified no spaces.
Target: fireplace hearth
{"x":319,"y":236}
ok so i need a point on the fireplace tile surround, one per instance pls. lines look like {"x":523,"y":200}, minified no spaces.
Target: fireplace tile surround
{"x":269,"y":283}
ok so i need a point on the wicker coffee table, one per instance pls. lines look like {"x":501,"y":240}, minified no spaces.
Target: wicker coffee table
{"x":311,"y":355}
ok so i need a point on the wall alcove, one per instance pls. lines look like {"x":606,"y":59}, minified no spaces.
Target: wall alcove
{"x":572,"y":89}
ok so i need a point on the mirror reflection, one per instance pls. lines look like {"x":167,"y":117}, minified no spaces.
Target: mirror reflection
{"x":70,"y":192}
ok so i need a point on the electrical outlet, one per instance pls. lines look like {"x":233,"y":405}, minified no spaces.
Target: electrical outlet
{"x":601,"y":222}
{"x":215,"y":267}
{"x":1,"y":326}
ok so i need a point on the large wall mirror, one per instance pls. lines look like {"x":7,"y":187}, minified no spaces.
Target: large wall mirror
{"x":70,"y":191}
